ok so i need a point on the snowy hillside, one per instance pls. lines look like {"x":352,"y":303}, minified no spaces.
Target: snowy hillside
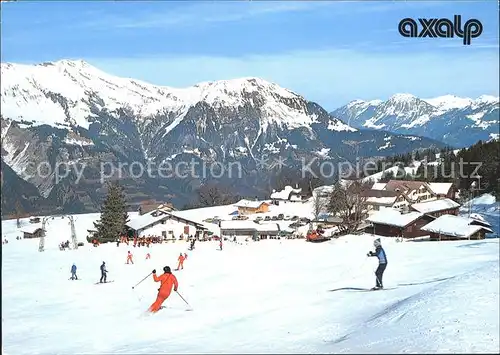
{"x":454,"y":120}
{"x":31,"y":93}
{"x":439,"y":297}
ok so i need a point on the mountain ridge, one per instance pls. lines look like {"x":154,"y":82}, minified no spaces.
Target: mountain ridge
{"x":69,"y":112}
{"x":455,"y":120}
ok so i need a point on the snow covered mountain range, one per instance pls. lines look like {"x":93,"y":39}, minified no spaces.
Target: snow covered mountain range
{"x":457,"y":121}
{"x":73,"y":113}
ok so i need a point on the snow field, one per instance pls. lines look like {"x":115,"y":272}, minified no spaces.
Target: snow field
{"x":267,"y":296}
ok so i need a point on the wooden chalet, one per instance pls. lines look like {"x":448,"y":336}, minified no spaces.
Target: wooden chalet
{"x":288,"y":194}
{"x":444,"y":189}
{"x":437,"y":208}
{"x":449,"y":227}
{"x":161,"y":222}
{"x":34,"y":220}
{"x":248,"y":228}
{"x":377,"y":199}
{"x":32,"y":231}
{"x":391,"y":223}
{"x":401,"y":194}
{"x":150,"y":206}
{"x":251,"y":207}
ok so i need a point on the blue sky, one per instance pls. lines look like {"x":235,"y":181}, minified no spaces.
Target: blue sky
{"x":329,"y":52}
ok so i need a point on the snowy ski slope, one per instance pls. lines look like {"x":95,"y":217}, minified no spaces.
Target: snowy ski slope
{"x":260,"y":297}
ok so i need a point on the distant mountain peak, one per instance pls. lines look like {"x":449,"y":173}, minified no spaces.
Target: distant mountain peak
{"x":456,"y":120}
{"x":490,"y":99}
{"x":402,"y":97}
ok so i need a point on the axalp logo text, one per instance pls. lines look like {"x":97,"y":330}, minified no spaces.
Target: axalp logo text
{"x":442,"y":27}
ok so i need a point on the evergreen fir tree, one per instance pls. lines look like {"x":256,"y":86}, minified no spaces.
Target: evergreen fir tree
{"x":113,"y":215}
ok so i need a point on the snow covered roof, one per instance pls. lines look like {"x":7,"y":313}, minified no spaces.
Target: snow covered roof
{"x":248,"y":225}
{"x":479,"y":219}
{"x":268,"y":227}
{"x":440,"y":188}
{"x":285,"y":193}
{"x":31,"y":228}
{"x":392,"y":217}
{"x":249,"y":204}
{"x":177,"y":215}
{"x":435,"y":206}
{"x":238,"y":225}
{"x":147,"y":219}
{"x":381,"y":200}
{"x":295,"y":198}
{"x":404,"y":185}
{"x":378,"y":186}
{"x":454,"y":226}
{"x":324,"y":189}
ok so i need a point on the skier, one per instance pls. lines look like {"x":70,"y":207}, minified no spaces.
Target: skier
{"x":167,"y":281}
{"x":148,"y":256}
{"x":129,"y":258}
{"x":104,"y":272}
{"x":220,"y":244}
{"x":382,"y":263}
{"x":73,"y":272}
{"x":181,"y":259}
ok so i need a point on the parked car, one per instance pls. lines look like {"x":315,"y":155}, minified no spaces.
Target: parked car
{"x":243,"y":218}
{"x":305,"y":220}
{"x":208,"y":220}
{"x":296,"y":225}
{"x":235,"y":218}
{"x":288,"y":217}
{"x":281,"y":216}
{"x":274,"y":218}
{"x":258,"y":218}
{"x":268,"y":218}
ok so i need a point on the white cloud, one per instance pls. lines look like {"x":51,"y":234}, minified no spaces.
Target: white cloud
{"x":198,"y":13}
{"x":329,"y":77}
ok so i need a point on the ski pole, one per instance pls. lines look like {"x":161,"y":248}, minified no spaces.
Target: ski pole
{"x":141,"y":281}
{"x":184,"y":299}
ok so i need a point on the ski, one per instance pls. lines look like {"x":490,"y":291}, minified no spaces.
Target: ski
{"x":381,"y":289}
{"x":360,"y":289}
{"x":187,"y":309}
{"x":107,"y":282}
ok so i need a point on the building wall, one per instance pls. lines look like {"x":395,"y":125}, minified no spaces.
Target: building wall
{"x":451,"y":211}
{"x":237,"y":232}
{"x":168,"y":225}
{"x":384,"y":230}
{"x":411,"y":231}
{"x":263,"y":208}
{"x":36,"y":234}
{"x":478,"y":235}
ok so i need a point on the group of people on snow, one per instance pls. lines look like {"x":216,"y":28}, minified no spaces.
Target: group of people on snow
{"x":64,"y":245}
{"x":168,"y":280}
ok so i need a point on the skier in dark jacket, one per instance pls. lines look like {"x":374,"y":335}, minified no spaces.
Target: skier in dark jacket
{"x":73,"y":272}
{"x":382,"y":263}
{"x":103,"y":272}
